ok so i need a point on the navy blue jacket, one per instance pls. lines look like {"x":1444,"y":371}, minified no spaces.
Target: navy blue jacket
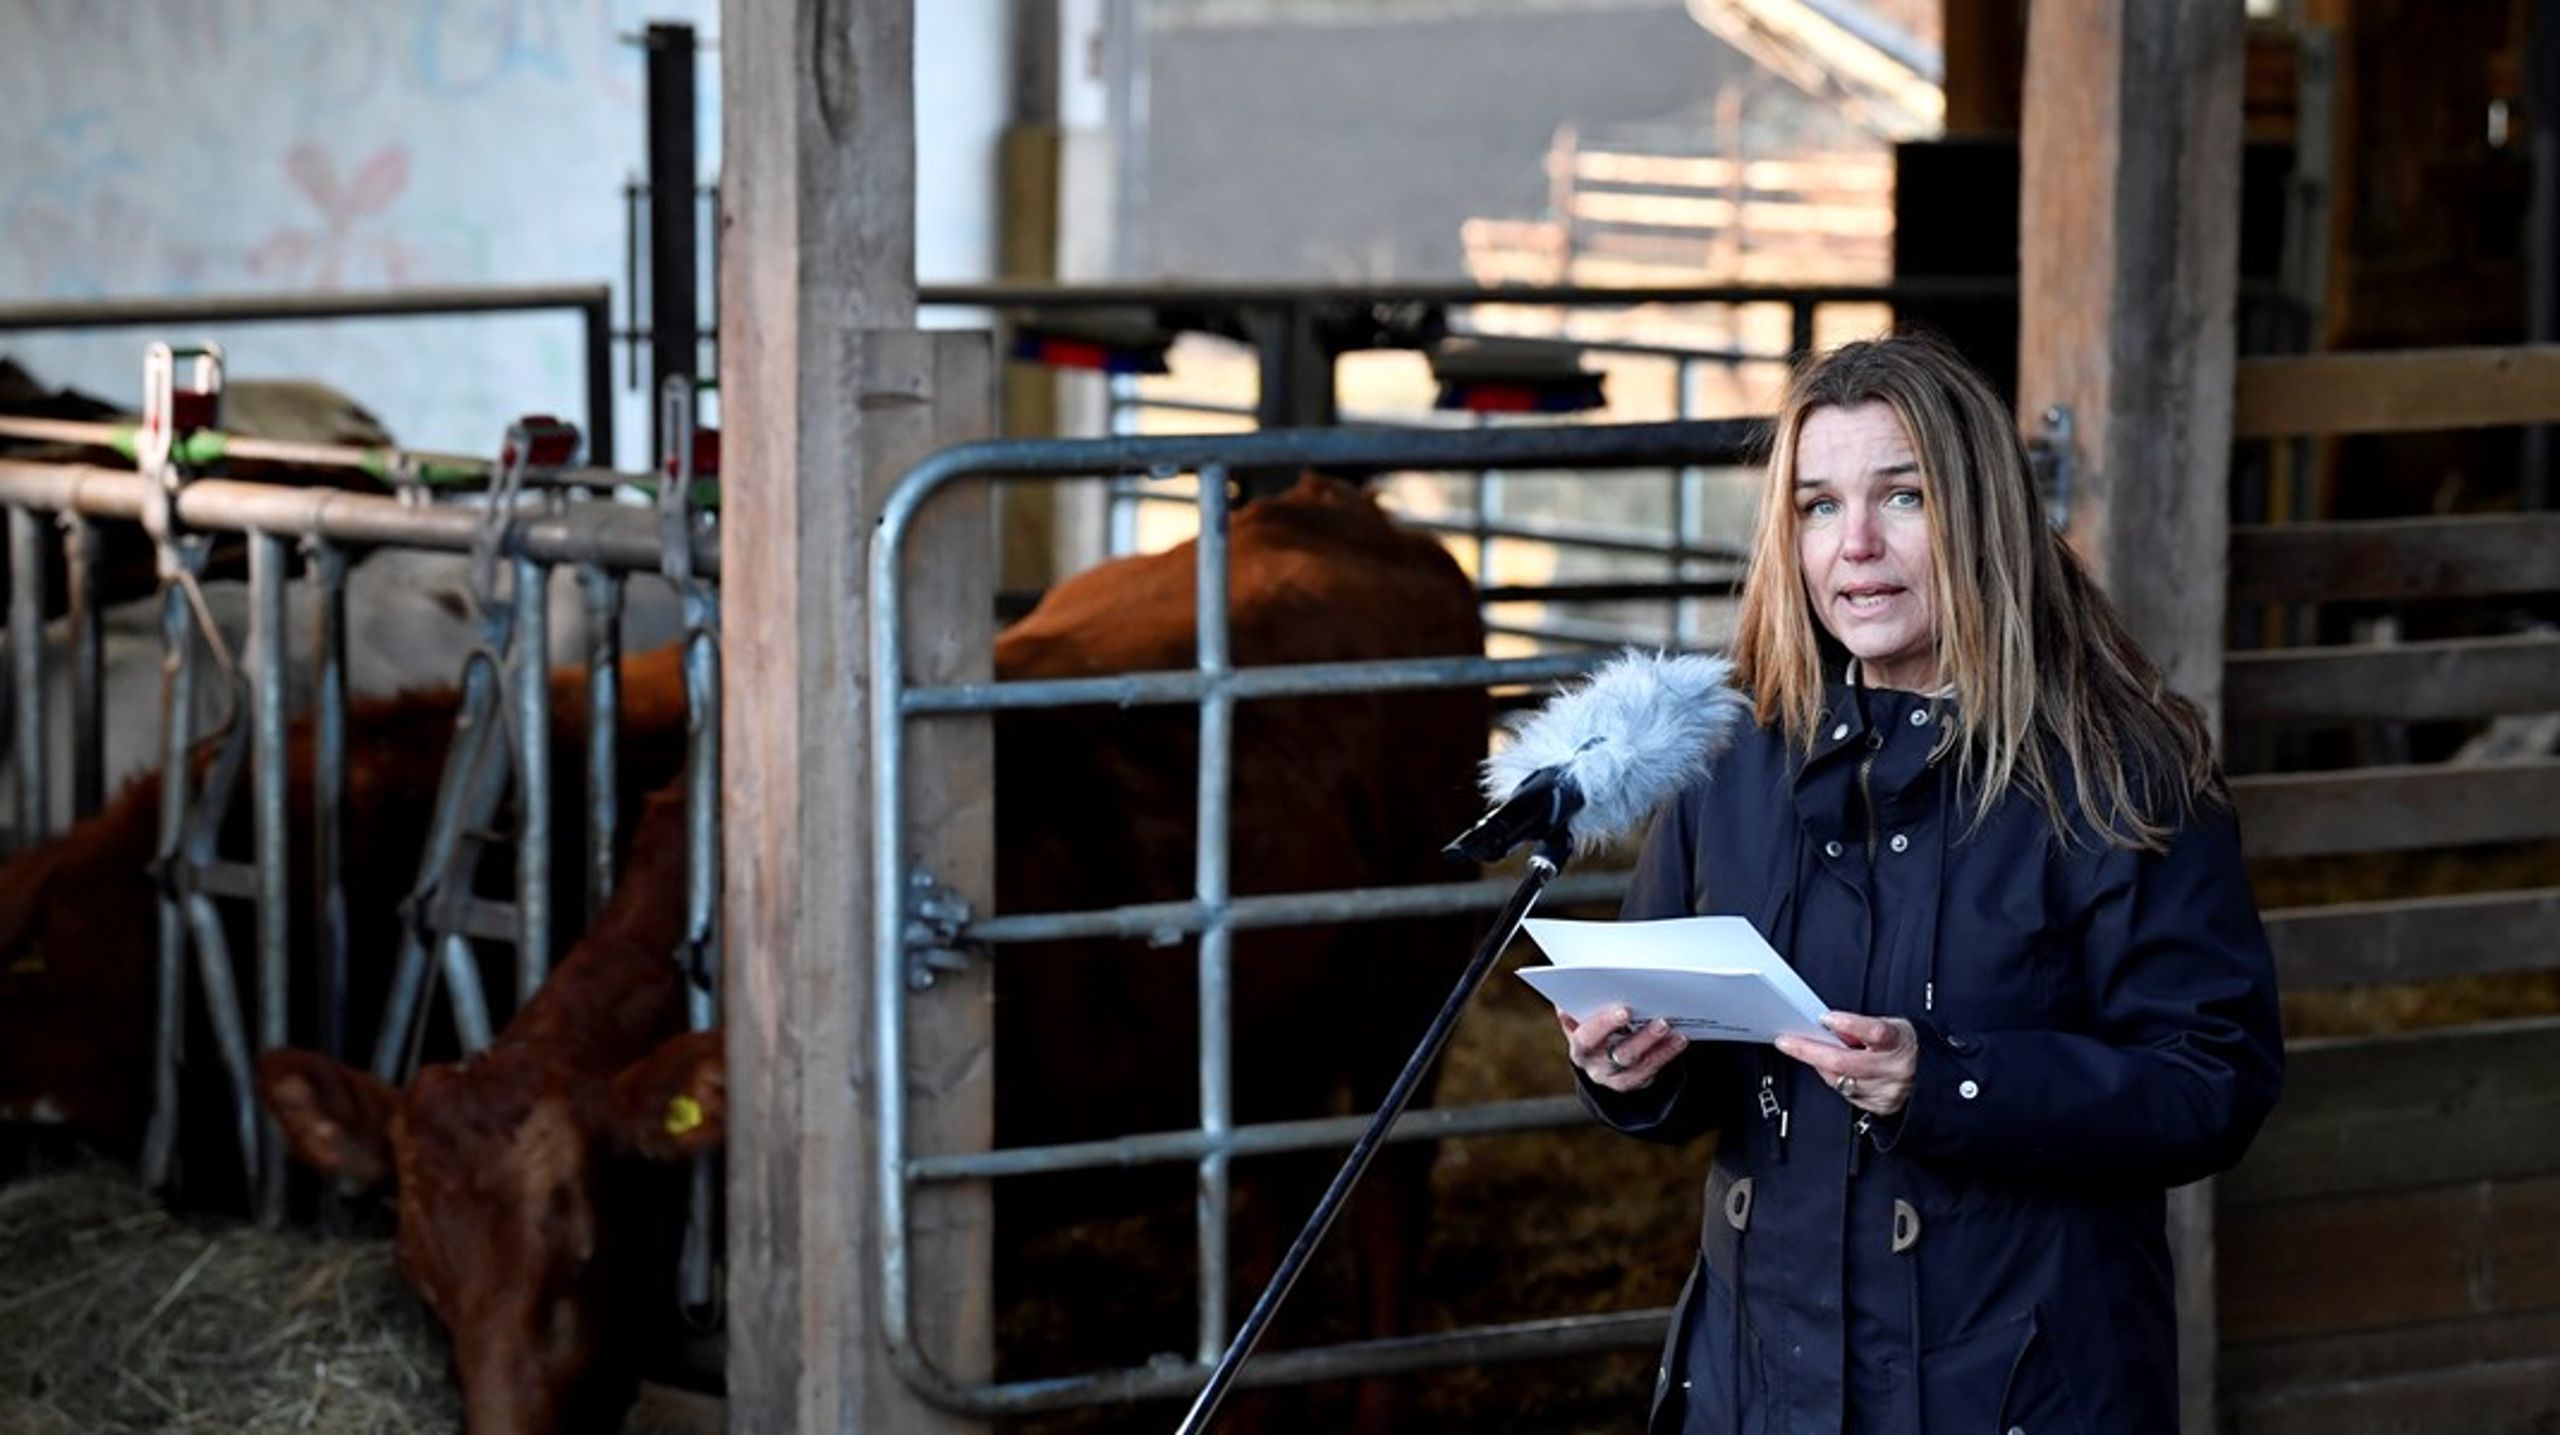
{"x":2097,"y":1026}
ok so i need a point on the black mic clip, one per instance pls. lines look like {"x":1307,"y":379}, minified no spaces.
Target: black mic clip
{"x":1541,"y":810}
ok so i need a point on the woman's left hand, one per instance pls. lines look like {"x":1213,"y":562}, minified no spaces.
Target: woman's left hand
{"x":1875,"y":1072}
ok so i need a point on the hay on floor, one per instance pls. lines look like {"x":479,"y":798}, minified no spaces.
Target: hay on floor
{"x":117,"y":1316}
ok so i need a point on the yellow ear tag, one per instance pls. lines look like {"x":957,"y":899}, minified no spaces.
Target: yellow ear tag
{"x":683,"y":1114}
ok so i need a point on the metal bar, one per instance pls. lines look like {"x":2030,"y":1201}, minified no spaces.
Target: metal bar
{"x":88,"y":667}
{"x":603,"y":591}
{"x":1166,"y":922}
{"x":1299,"y":680}
{"x":1800,"y":326}
{"x":1482,"y":527}
{"x":262,"y":308}
{"x":1654,"y":445}
{"x":612,"y":535}
{"x":697,"y":1283}
{"x":325,"y":573}
{"x":531,"y":665}
{"x":1037,"y":295}
{"x":177,"y":736}
{"x":230,"y":1035}
{"x":27,"y":571}
{"x":269,"y":832}
{"x":1542,"y":869}
{"x":1210,"y":881}
{"x":1269,"y":1138}
{"x":595,"y":322}
{"x":462,"y":991}
{"x":1629,"y":592}
{"x":673,"y":162}
{"x":404,"y":1010}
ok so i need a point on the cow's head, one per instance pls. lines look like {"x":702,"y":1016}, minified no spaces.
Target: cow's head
{"x":528,"y":1220}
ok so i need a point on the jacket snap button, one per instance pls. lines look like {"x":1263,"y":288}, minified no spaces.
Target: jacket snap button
{"x":1839,"y":732}
{"x":1900,"y":843}
{"x":2017,"y":1430}
{"x":1969,"y":1090}
{"x":1831,"y":849}
{"x":1919,"y":717}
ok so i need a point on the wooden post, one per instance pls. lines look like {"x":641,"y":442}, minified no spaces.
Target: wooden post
{"x":828,"y":394}
{"x":2129,"y":270}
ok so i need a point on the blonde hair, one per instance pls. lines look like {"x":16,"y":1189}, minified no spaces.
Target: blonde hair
{"x":2052,"y":695}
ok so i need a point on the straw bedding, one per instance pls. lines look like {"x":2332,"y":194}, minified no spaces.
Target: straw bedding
{"x":117,"y":1316}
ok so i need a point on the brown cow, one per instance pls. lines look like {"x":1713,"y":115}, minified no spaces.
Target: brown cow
{"x":531,"y":1219}
{"x":506,"y":1213}
{"x":78,"y":917}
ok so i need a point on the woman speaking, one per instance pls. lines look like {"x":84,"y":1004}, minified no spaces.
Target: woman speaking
{"x":1975,"y":820}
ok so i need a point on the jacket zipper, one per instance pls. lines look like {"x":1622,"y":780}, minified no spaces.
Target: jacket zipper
{"x":1866,"y":790}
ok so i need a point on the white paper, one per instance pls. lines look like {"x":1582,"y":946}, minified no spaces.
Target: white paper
{"x":1711,"y":978}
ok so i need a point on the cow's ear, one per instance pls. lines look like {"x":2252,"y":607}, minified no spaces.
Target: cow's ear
{"x":673,"y":1104}
{"x":335,"y":1118}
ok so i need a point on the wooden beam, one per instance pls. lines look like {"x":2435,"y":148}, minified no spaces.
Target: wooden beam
{"x":2366,"y":1115}
{"x":2277,"y":1372}
{"x":2129,"y":267}
{"x":2419,"y":939}
{"x":2403,"y":682}
{"x":2462,"y":557}
{"x":2480,"y":1394}
{"x":2445,"y":1253}
{"x":829,"y":393}
{"x":2410,"y":391}
{"x":2394,"y":809}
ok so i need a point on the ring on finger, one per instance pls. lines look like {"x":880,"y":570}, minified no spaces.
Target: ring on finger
{"x":1847,"y":1086}
{"x":1616,"y":1062}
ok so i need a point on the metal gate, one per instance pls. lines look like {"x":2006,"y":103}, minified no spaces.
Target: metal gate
{"x":914,"y":934}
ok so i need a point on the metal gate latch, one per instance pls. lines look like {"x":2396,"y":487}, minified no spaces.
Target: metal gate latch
{"x":937,"y":918}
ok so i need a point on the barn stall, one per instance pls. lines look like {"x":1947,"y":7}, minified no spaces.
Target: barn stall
{"x":904,"y":373}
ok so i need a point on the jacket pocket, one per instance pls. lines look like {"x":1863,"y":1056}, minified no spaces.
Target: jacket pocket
{"x":1713,"y":1375}
{"x":1998,"y":1379}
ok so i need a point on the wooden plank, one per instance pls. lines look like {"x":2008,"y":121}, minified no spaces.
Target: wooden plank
{"x":823,"y":406}
{"x":1827,"y":174}
{"x":2445,"y":1253}
{"x":2396,"y":558}
{"x":2257,"y":1370}
{"x":2402,"y":391}
{"x":2416,"y":939}
{"x":2391,"y":809}
{"x":2129,"y":204}
{"x":2515,"y":1397}
{"x":2376,"y":1114}
{"x":2405,"y":682}
{"x":1777,"y":216}
{"x":949,"y":591}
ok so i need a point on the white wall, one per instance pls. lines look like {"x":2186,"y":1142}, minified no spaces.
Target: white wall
{"x":167,"y":147}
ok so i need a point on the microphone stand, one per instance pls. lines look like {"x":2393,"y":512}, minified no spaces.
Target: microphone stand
{"x":1544,"y":864}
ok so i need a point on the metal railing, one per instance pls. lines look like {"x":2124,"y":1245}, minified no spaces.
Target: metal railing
{"x":1212,"y":912}
{"x":601,"y":541}
{"x":592,"y":303}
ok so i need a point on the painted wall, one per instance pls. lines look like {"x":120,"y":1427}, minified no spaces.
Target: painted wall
{"x":167,"y":147}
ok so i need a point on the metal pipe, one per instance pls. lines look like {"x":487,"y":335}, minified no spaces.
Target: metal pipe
{"x":1246,"y":684}
{"x":673,"y":161}
{"x":404,"y":1009}
{"x":26,"y":670}
{"x":617,"y":536}
{"x":603,"y":591}
{"x":175,"y":312}
{"x":595,"y":322}
{"x":230,"y":1033}
{"x":1211,"y":881}
{"x":1167,"y":922}
{"x":697,"y":1281}
{"x":1269,"y":1138}
{"x":462,"y":992}
{"x":325,"y":572}
{"x":88,"y":667}
{"x":531,"y":664}
{"x":269,"y":832}
{"x":177,"y":736}
{"x":1026,"y":294}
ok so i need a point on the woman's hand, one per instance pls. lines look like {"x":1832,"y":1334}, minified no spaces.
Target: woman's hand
{"x":1615,"y":1057}
{"x":1875,"y":1073}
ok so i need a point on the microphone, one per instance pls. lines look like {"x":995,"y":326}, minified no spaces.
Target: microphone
{"x":1596,"y":761}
